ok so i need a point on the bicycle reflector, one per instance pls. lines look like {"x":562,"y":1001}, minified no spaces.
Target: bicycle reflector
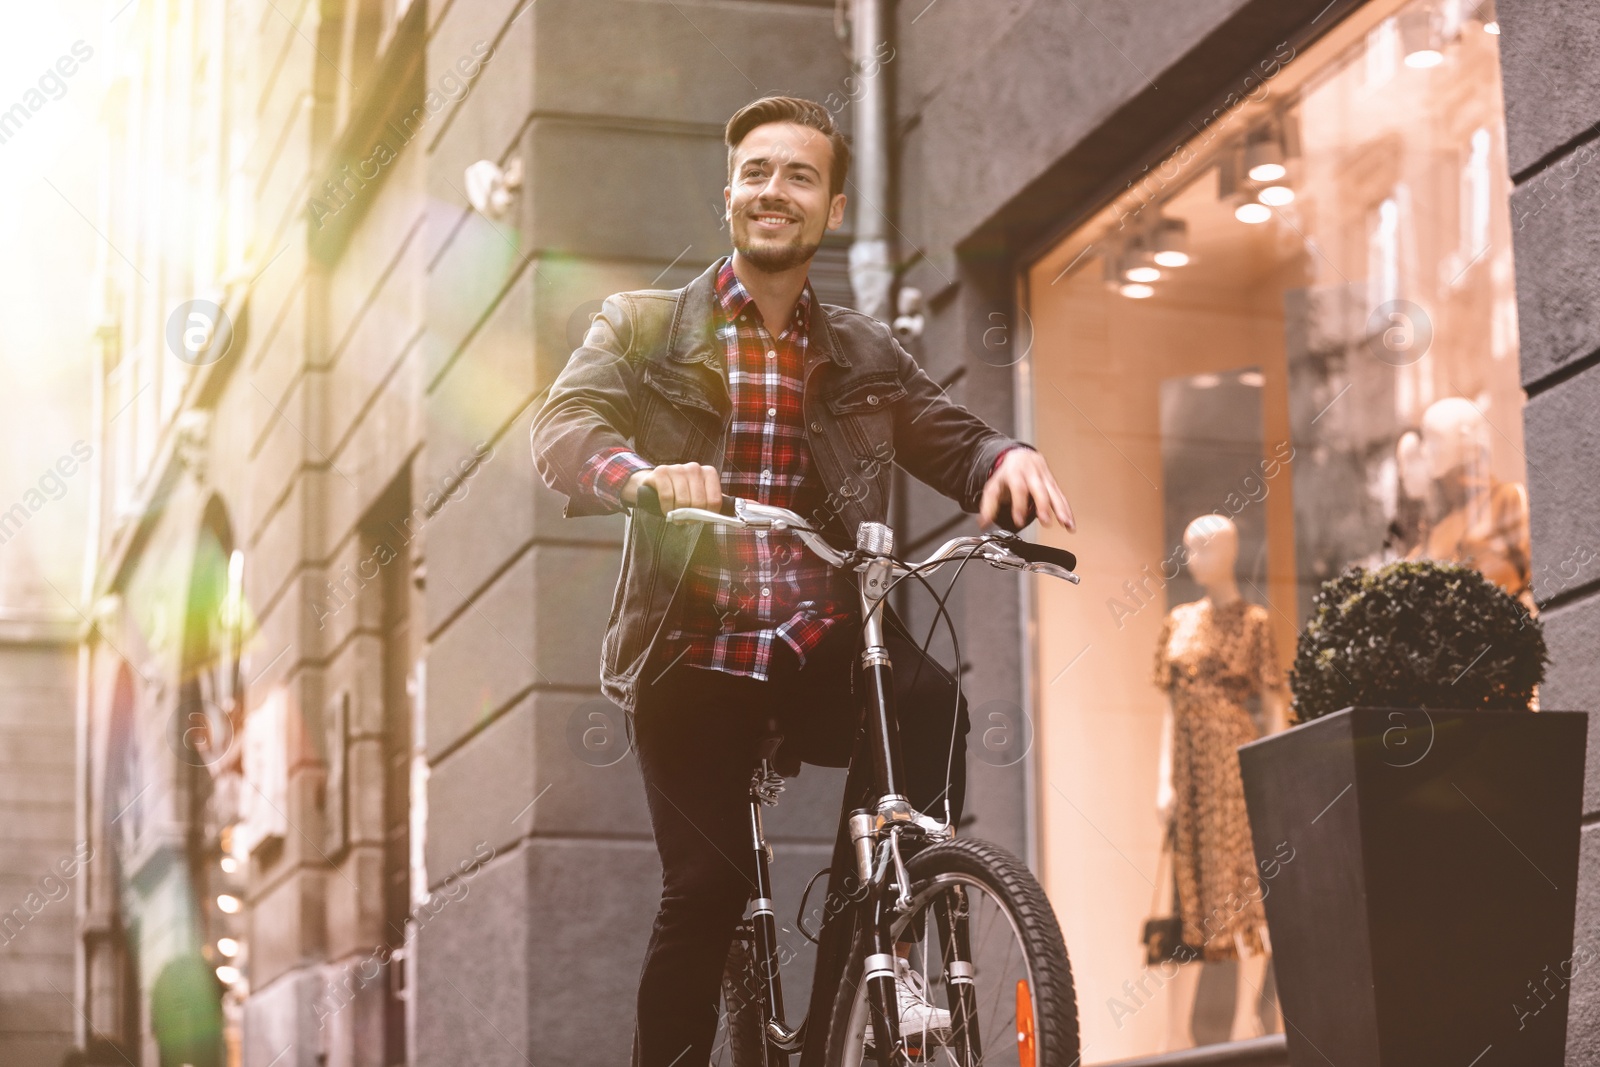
{"x":1026,"y":1042}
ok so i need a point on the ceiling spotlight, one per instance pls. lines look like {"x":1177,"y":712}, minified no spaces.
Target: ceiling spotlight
{"x":1139,"y":261}
{"x":1276,"y":195}
{"x":228,"y":903}
{"x":228,"y":946}
{"x":1137,"y":291}
{"x":1172,"y":243}
{"x":1491,"y":21}
{"x":1252,"y":212}
{"x":229,"y":865}
{"x":228,"y":975}
{"x":1263,"y":159}
{"x":1421,"y":38}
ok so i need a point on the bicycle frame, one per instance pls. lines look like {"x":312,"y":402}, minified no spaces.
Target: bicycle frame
{"x":874,"y":836}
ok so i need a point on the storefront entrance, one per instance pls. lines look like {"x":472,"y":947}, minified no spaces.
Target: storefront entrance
{"x":1303,"y":324}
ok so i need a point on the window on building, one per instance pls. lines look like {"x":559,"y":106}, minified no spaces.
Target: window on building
{"x":1303,"y":322}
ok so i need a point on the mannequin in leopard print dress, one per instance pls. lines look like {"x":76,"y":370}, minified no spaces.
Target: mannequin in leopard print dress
{"x":1213,"y":655}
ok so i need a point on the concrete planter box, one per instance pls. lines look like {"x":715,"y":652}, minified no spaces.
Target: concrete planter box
{"x":1425,"y":915}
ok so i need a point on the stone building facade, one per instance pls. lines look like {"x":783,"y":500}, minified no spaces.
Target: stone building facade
{"x":40,"y":864}
{"x":345,"y":740}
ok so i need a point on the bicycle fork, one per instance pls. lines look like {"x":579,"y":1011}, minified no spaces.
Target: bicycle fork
{"x":780,"y":1040}
{"x":895,"y":813}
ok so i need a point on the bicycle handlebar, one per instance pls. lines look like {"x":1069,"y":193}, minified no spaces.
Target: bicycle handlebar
{"x":1014,"y":553}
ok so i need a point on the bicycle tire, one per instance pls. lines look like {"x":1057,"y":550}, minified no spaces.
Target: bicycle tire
{"x":1054,"y":999}
{"x":742,"y":1007}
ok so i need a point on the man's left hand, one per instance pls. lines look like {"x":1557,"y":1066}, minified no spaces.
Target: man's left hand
{"x":1023,"y":480}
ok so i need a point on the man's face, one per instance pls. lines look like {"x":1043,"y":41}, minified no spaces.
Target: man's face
{"x":778,"y":202}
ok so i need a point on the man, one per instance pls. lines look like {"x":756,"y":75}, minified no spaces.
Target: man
{"x":743,"y":383}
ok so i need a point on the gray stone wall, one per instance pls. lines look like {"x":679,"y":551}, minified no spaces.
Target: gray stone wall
{"x":37,"y":712}
{"x":1552,"y":121}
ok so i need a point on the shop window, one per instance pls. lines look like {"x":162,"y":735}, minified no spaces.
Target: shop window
{"x":1299,"y":328}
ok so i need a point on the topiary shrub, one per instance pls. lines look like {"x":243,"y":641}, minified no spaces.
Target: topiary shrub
{"x":1416,"y":635}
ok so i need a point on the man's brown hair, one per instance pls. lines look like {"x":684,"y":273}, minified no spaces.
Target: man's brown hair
{"x":801,"y":112}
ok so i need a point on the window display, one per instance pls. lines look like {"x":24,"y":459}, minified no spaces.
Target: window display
{"x":1213,"y":654}
{"x":1288,"y":348}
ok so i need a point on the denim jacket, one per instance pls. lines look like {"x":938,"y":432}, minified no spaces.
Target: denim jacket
{"x":650,"y":375}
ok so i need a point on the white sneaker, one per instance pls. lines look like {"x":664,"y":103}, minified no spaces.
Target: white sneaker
{"x":922,"y":1024}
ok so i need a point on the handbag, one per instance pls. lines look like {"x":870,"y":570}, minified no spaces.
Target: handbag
{"x":1163,"y":931}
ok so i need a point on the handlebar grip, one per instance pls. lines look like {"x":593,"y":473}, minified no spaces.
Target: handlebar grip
{"x":649,"y":501}
{"x":1004,"y":520}
{"x":1037,"y":553}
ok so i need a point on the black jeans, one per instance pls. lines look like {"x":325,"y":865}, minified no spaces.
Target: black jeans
{"x":695,"y":733}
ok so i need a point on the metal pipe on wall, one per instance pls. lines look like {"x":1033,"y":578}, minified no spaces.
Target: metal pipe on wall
{"x":871,"y":253}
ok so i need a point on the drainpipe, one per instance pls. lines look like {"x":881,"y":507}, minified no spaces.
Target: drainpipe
{"x":871,"y":254}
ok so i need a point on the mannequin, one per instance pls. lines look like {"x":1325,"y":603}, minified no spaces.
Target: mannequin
{"x":1484,"y":521}
{"x":1213,"y":654}
{"x":1410,"y":525}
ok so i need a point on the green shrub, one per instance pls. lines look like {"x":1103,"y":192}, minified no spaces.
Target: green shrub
{"x":1416,"y":635}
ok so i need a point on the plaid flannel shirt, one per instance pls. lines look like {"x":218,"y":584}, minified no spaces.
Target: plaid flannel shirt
{"x":756,"y":588}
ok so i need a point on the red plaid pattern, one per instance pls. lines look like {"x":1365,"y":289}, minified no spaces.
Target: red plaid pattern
{"x":755,"y":588}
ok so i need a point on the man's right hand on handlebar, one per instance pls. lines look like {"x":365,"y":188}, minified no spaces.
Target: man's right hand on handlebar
{"x":679,"y":485}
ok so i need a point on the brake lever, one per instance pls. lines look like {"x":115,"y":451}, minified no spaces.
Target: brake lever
{"x":1052,"y":570}
{"x":1012,"y":561}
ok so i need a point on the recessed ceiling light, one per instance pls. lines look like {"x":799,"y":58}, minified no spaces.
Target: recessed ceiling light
{"x":1137,"y":290}
{"x":1142,"y":274}
{"x":1276,"y":195}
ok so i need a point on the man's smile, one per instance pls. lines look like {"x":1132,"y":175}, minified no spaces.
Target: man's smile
{"x":772,"y":220}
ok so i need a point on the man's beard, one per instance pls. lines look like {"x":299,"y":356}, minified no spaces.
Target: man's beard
{"x":775,"y":260}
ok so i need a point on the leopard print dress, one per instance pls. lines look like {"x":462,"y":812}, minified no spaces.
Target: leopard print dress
{"x":1210,"y":661}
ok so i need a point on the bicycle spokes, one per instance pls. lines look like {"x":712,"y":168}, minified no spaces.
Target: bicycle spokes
{"x":968,"y":959}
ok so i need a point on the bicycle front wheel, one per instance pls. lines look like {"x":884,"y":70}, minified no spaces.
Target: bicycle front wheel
{"x":985,"y":949}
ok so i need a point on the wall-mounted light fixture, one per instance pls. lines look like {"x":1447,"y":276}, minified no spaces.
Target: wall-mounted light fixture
{"x":491,"y":188}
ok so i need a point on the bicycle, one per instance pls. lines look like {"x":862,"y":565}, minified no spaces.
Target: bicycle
{"x":966,"y":908}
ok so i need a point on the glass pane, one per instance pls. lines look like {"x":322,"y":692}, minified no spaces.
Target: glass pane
{"x":1302,"y":322}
